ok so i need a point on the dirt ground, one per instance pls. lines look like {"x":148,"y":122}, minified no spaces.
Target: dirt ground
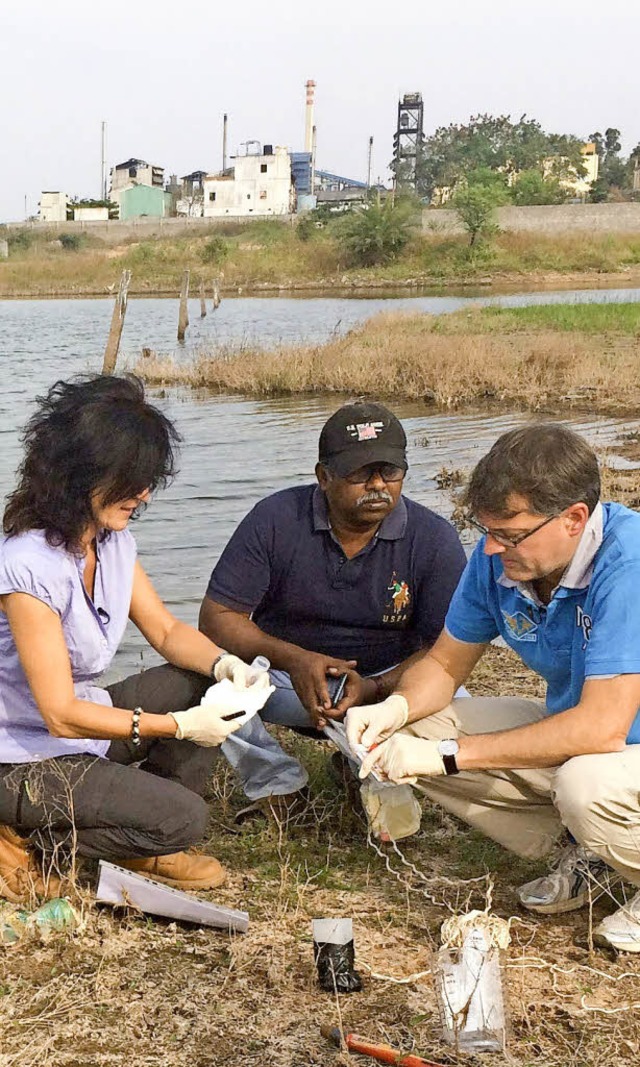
{"x":125,"y":989}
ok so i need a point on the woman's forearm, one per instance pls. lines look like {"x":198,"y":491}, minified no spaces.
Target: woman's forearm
{"x":185,"y":647}
{"x":83,"y":718}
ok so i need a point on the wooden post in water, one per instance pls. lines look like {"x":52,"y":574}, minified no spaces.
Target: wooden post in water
{"x":203,"y":303}
{"x":183,"y":317}
{"x":117,"y":322}
{"x":216,"y":296}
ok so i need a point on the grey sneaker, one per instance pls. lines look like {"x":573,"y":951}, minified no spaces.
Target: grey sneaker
{"x":576,"y":876}
{"x":622,"y":929}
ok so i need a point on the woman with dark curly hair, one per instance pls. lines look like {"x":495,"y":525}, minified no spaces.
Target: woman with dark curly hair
{"x":95,"y":450}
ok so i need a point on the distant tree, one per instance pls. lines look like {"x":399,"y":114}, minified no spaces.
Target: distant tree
{"x":499,"y":144}
{"x":475,"y":202}
{"x":614,"y":172}
{"x":531,"y":187}
{"x":599,"y":191}
{"x":377,"y":233}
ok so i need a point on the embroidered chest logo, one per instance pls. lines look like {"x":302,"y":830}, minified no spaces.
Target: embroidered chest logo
{"x":520,"y":626}
{"x":585,"y":622}
{"x":396,"y":608}
{"x":365,"y":431}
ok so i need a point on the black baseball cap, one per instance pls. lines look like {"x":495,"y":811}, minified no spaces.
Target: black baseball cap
{"x":362,"y":433}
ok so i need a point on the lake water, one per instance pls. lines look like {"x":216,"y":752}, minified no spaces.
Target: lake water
{"x":237,"y":450}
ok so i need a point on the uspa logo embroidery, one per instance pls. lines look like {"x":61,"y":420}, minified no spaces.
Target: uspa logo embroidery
{"x":520,"y":626}
{"x":396,"y":609}
{"x":365,"y":431}
{"x":585,"y":622}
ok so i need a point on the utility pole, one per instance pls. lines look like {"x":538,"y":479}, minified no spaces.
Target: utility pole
{"x":314,"y":146}
{"x":369,"y":163}
{"x":225,"y":121}
{"x":103,"y":162}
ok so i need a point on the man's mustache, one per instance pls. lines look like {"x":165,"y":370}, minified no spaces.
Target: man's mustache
{"x":373,"y":496}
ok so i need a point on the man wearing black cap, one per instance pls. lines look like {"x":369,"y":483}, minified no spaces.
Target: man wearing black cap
{"x":343,"y":576}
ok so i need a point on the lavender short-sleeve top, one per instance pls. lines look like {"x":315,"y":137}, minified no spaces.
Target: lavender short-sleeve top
{"x":92,"y":631}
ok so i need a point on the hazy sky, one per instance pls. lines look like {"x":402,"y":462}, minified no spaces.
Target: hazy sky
{"x":162,"y":74}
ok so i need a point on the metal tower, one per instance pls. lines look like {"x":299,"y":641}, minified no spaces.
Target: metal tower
{"x":408,"y":140}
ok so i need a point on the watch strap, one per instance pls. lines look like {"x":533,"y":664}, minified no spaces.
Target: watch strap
{"x":450,"y":765}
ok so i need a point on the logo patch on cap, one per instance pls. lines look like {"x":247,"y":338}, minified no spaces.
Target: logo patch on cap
{"x":365,"y":431}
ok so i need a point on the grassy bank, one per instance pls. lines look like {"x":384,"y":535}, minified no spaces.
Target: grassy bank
{"x":538,"y":358}
{"x":270,"y":255}
{"x":126,"y":989}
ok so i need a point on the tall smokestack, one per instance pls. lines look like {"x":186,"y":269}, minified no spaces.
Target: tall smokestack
{"x":308,"y":117}
{"x":224,"y":142}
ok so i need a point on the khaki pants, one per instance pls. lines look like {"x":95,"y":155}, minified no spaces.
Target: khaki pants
{"x":597,"y":798}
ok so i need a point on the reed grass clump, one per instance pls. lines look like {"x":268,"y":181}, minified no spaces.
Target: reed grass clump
{"x":508,"y":358}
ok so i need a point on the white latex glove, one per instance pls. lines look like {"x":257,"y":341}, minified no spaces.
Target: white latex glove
{"x":206,"y":725}
{"x":403,"y":759}
{"x":236,"y":670}
{"x":374,"y":722}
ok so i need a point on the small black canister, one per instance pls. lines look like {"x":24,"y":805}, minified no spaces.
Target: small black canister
{"x":334,"y":955}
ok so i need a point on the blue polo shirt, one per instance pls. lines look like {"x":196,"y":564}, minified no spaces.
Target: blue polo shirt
{"x":589,"y":629}
{"x":284,"y":566}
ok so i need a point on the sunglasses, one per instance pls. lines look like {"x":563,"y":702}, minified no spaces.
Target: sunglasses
{"x":387,"y":471}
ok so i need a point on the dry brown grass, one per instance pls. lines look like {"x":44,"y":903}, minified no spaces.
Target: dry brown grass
{"x":401,"y":356}
{"x":152,"y":994}
{"x":268,"y":256}
{"x":126,"y":990}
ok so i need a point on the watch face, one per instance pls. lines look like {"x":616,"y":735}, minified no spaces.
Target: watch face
{"x":449,"y":747}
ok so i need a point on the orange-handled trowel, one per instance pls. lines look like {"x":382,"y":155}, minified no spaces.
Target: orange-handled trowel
{"x":383,"y":1053}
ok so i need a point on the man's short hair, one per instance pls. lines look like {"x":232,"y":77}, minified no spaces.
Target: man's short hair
{"x":547,"y":463}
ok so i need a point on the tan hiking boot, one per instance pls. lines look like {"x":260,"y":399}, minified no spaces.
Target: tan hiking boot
{"x":182,"y":870}
{"x":21,"y":876}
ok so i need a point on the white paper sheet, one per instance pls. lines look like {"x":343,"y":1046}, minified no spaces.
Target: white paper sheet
{"x":119,"y":886}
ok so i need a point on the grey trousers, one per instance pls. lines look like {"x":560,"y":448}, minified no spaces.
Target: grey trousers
{"x":107,"y":808}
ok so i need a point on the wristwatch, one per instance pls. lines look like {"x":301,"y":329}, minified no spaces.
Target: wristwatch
{"x":449,"y":749}
{"x":212,"y":672}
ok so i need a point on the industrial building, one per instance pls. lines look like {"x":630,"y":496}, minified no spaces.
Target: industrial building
{"x":261,"y":181}
{"x":260,"y":184}
{"x":137,"y":187}
{"x":53,"y":207}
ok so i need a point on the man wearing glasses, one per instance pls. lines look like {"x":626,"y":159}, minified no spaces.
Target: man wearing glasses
{"x":324,"y":578}
{"x":556,"y":574}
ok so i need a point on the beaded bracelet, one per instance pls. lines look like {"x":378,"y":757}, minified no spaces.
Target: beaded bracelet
{"x":135,"y":726}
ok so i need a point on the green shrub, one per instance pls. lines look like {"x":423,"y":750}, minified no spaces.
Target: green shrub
{"x":215,"y":250}
{"x":72,"y":242}
{"x":21,"y":240}
{"x":377,"y":233}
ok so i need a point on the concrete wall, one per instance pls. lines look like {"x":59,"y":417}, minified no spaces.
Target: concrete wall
{"x":141,"y":229}
{"x":91,"y":214}
{"x":548,"y":220}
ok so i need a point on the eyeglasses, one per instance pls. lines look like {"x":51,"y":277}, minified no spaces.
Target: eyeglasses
{"x":509,"y":542}
{"x":387,"y":471}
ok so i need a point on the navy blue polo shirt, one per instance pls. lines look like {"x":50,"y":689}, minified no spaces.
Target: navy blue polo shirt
{"x":284,"y":566}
